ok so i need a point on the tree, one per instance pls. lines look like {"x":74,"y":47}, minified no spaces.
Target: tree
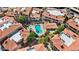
{"x":46,"y":39}
{"x":59,"y":29}
{"x":43,"y":39}
{"x":32,"y":37}
{"x":22,"y":19}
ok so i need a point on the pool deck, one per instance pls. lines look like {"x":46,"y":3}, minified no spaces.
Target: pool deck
{"x":33,"y":28}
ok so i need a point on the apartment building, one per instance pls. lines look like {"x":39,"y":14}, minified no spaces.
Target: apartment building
{"x":54,"y":14}
{"x":74,"y":23}
{"x":66,"y":41}
{"x":38,"y":47}
{"x":12,"y":33}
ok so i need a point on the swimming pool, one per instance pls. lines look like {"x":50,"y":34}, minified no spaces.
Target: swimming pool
{"x":38,"y":28}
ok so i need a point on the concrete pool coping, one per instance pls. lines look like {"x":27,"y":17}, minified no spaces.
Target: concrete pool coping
{"x":33,"y":28}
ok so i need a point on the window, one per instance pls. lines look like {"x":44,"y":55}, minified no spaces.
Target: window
{"x":68,"y":35}
{"x":5,"y":28}
{"x":74,"y":35}
{"x":31,"y":48}
{"x":62,"y":46}
{"x":77,"y":25}
{"x":6,"y":42}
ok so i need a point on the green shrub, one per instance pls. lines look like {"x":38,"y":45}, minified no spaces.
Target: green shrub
{"x":21,"y":19}
{"x":32,"y":37}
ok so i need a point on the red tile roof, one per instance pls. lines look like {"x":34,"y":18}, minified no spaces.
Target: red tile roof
{"x":9,"y":18}
{"x":38,"y":47}
{"x":9,"y":13}
{"x":36,"y":13}
{"x":11,"y":29}
{"x":51,"y":25}
{"x":9,"y":44}
{"x":18,"y":9}
{"x":57,"y":42}
{"x":27,"y":11}
{"x":73,"y":24}
{"x":25,"y":33}
{"x":59,"y":18}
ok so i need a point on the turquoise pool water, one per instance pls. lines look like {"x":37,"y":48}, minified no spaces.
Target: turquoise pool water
{"x":38,"y":28}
